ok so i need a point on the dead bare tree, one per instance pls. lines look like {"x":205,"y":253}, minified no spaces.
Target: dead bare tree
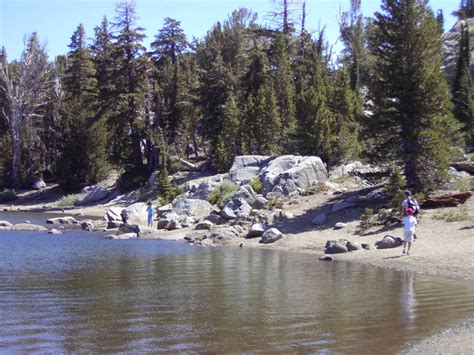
{"x":26,"y":91}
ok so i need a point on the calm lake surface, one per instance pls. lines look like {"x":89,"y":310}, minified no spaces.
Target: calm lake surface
{"x":77,"y":292}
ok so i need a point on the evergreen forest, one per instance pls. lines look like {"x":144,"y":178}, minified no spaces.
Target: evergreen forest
{"x":244,"y":88}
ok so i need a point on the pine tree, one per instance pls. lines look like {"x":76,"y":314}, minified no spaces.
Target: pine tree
{"x":462,"y":91}
{"x":83,"y":157}
{"x":316,"y":121}
{"x":127,"y":121}
{"x":351,"y":27}
{"x":168,"y":47}
{"x":345,"y":104}
{"x":284,"y":89}
{"x":412,"y":120}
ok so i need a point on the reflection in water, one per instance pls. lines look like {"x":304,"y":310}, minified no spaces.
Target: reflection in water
{"x":408,"y":300}
{"x":79,"y":293}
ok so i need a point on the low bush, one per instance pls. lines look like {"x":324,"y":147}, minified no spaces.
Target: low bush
{"x":256,"y":185}
{"x":367,"y":219}
{"x":67,"y":201}
{"x":223,"y":193}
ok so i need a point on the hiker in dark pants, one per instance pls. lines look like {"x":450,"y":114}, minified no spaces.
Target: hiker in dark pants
{"x":409,"y":202}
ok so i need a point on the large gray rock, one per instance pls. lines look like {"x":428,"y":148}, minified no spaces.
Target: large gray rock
{"x":191,"y":207}
{"x":39,"y":185}
{"x":5,"y":224}
{"x":91,"y":194}
{"x":87,"y":225}
{"x":237,"y":207}
{"x":214,"y":218}
{"x":62,"y":220}
{"x":344,"y":169}
{"x":169,"y":221}
{"x":137,"y":214}
{"x":388,"y":242}
{"x":226,"y":233}
{"x":247,"y":167}
{"x":128,"y":228}
{"x":113,"y":214}
{"x":336,"y":247}
{"x":25,"y":227}
{"x":256,"y":230}
{"x":292,"y":174}
{"x":260,"y":202}
{"x":353,"y":246}
{"x":204,"y":225}
{"x":271,"y":236}
{"x":247,"y":194}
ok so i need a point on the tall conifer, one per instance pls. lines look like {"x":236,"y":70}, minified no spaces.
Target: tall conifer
{"x":412,"y":120}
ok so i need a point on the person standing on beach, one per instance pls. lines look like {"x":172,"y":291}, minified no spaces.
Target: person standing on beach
{"x":151,"y":212}
{"x":409,"y":223}
{"x":409,"y":202}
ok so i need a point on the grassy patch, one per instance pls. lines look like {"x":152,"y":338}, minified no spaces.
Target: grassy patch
{"x":459,"y":214}
{"x":67,"y":201}
{"x":222,"y":193}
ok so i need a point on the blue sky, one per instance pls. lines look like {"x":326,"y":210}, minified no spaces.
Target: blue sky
{"x":56,"y":20}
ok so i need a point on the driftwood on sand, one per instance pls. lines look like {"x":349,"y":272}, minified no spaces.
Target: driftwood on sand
{"x":449,"y":200}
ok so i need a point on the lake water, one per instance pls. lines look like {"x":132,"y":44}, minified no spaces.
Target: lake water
{"x":77,"y":292}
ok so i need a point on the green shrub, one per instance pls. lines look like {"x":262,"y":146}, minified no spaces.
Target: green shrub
{"x":256,"y":184}
{"x":222,"y":193}
{"x":367,"y":219}
{"x":7,"y":196}
{"x":67,"y":201}
{"x":395,"y":186}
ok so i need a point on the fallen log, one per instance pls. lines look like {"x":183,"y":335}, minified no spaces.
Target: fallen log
{"x":450,"y":200}
{"x":187,"y":163}
{"x":467,"y":167}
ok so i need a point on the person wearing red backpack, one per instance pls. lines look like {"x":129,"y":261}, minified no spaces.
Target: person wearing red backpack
{"x":409,"y":202}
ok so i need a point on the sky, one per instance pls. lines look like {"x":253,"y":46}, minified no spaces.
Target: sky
{"x":56,"y":20}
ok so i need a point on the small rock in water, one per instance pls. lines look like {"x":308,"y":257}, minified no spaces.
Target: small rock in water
{"x":241,"y":245}
{"x":28,"y":221}
{"x":326,"y":258}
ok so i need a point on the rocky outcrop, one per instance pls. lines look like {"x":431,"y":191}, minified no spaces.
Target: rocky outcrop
{"x":281,"y":176}
{"x":62,"y":220}
{"x":91,"y":194}
{"x":191,"y":207}
{"x":290,"y":175}
{"x":247,"y":167}
{"x":451,"y":47}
